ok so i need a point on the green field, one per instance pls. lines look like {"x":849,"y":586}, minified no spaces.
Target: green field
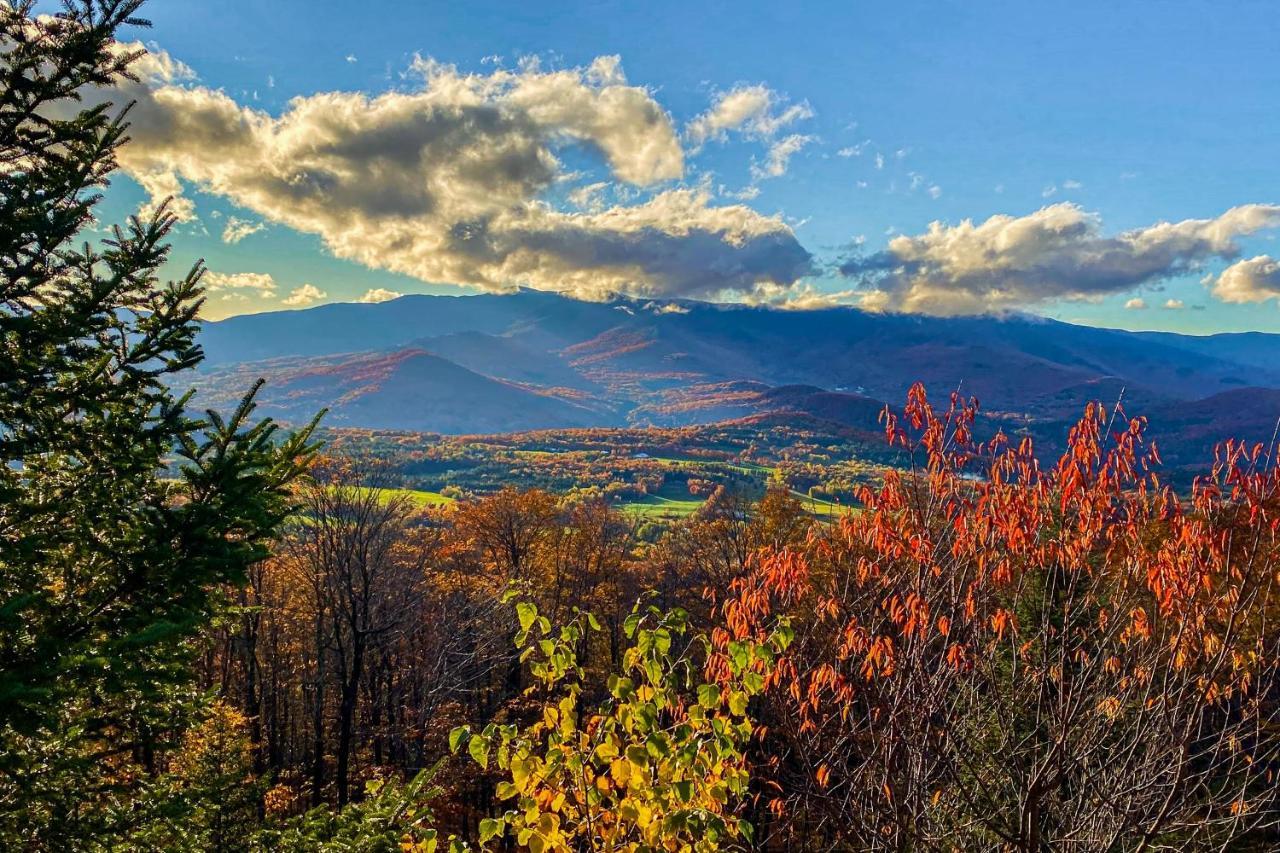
{"x":418,"y":497}
{"x":700,"y":463}
{"x":681,"y":505}
{"x":656,"y":506}
{"x":817,"y":506}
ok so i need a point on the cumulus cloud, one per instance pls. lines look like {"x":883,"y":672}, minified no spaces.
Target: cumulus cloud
{"x":260,"y":283}
{"x":379,"y":294}
{"x":1056,"y":253}
{"x":1137,"y":303}
{"x":1174,"y":304}
{"x":237,"y":229}
{"x":754,"y":110}
{"x":448,"y":182}
{"x":304,"y":295}
{"x":1252,"y":280}
{"x":163,"y":187}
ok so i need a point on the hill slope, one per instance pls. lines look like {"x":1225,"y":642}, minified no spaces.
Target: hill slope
{"x":494,"y":362}
{"x":409,"y":389}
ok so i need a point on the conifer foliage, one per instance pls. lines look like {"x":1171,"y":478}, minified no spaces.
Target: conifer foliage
{"x":121,"y":512}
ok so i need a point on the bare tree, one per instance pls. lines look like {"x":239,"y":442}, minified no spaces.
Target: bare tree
{"x":348,"y":548}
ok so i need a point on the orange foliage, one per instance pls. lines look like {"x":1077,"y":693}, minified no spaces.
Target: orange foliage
{"x":990,"y":634}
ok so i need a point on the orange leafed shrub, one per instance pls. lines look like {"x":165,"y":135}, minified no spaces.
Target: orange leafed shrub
{"x":1000,"y":654}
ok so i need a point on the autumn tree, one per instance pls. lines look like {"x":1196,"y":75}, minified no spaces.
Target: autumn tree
{"x":209,"y":793}
{"x":351,"y":557}
{"x":699,"y":560}
{"x":592,"y":567}
{"x":657,"y":765}
{"x":996,"y":655}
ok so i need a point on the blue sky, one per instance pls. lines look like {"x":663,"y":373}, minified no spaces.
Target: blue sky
{"x":910,"y":113}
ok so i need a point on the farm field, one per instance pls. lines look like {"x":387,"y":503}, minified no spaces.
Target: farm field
{"x":660,"y":475}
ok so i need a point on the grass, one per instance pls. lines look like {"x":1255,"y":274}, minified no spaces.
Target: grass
{"x":419,"y":498}
{"x":817,"y":506}
{"x":656,"y":506}
{"x":715,"y":465}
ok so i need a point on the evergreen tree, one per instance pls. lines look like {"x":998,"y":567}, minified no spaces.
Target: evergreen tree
{"x":121,"y":513}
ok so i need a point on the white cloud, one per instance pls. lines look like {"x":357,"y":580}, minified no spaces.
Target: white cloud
{"x":1137,"y":303}
{"x":237,"y":229}
{"x":802,"y":298}
{"x":589,"y":197}
{"x":163,"y":187}
{"x":854,"y":150}
{"x":1070,"y":184}
{"x":879,"y":161}
{"x":351,"y":58}
{"x":260,"y":282}
{"x":667,"y":308}
{"x":447,"y":182}
{"x":1174,"y":304}
{"x":780,"y":154}
{"x":157,"y":66}
{"x":1057,"y":253}
{"x":1252,"y":280}
{"x":304,"y":295}
{"x":935,"y":191}
{"x":755,"y":110}
{"x":379,"y":294}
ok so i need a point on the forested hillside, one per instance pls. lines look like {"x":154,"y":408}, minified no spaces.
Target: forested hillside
{"x":530,"y":360}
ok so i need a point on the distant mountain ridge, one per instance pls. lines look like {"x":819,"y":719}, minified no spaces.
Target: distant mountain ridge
{"x":530,"y":359}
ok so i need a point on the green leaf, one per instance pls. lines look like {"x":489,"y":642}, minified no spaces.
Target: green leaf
{"x":456,"y":736}
{"x":478,"y":748}
{"x":526,"y":612}
{"x":489,"y":828}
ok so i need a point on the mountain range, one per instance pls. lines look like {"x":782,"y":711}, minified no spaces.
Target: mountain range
{"x":533,"y":360}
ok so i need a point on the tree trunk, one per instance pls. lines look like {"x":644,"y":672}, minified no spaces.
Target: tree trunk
{"x":346,"y":719}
